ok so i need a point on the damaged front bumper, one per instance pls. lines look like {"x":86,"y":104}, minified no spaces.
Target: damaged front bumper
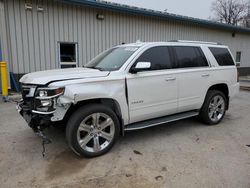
{"x":37,"y":121}
{"x":42,"y":119}
{"x":41,"y":107}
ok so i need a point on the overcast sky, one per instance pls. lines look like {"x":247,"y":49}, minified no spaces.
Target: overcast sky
{"x":193,"y":8}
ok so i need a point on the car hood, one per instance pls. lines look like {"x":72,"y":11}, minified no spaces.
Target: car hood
{"x":45,"y":77}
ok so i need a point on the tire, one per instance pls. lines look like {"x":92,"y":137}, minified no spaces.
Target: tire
{"x":211,"y":112}
{"x":92,"y":130}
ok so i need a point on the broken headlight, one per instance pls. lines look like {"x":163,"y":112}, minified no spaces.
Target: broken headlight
{"x":48,"y":93}
{"x":46,"y":99}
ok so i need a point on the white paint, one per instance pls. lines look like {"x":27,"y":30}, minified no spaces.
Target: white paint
{"x":43,"y":77}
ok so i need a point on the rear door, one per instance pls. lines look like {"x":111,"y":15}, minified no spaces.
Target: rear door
{"x":152,"y":93}
{"x":193,"y":77}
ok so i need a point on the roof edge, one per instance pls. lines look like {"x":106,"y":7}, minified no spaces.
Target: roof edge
{"x":159,"y":14}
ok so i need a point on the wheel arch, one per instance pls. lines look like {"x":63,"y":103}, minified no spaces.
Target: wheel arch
{"x":112,"y":103}
{"x":223,"y":87}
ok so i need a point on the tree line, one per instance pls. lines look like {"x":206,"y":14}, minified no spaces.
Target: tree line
{"x":234,"y":12}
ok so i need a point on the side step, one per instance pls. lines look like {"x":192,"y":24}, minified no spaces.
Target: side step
{"x":161,"y":120}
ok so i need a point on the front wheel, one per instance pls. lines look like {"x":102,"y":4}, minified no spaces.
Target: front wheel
{"x":92,"y":130}
{"x":214,"y":107}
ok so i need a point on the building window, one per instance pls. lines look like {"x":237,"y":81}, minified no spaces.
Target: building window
{"x":238,"y":57}
{"x":68,"y":55}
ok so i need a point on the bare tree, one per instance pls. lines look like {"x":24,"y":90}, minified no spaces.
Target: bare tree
{"x":229,"y":11}
{"x":246,"y":21}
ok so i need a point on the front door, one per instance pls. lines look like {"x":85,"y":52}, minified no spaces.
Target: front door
{"x":152,"y":93}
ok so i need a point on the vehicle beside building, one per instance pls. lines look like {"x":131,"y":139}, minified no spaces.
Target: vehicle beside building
{"x":129,"y":87}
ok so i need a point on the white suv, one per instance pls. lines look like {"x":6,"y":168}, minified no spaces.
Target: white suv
{"x":131,"y":87}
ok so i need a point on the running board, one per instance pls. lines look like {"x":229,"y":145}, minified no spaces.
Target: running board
{"x":159,"y":121}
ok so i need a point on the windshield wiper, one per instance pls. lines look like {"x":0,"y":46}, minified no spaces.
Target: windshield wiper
{"x":98,"y":68}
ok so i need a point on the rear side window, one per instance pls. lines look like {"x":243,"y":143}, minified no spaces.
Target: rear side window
{"x":222,"y":56}
{"x":159,"y":57}
{"x":188,"y":56}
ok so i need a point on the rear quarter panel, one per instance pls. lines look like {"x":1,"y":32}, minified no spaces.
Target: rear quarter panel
{"x":222,"y":74}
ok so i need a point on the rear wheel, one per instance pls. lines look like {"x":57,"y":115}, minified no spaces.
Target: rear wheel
{"x":214,"y":107}
{"x":92,"y":130}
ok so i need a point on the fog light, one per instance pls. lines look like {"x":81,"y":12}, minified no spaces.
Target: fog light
{"x":42,"y":109}
{"x":46,"y":102}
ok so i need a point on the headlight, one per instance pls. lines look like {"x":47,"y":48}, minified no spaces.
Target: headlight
{"x":43,"y":93}
{"x":46,"y":99}
{"x":48,"y":93}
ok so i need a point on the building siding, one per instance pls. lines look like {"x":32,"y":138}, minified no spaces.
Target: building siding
{"x":32,"y":36}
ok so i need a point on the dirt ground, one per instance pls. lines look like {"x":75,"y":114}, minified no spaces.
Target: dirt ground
{"x":180,"y":154}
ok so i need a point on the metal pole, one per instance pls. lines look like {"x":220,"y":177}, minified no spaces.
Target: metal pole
{"x":4,"y":79}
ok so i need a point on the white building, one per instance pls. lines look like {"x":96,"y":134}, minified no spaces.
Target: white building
{"x":47,"y":34}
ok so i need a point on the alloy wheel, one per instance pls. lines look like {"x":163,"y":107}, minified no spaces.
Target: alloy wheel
{"x":96,"y":132}
{"x":216,"y":108}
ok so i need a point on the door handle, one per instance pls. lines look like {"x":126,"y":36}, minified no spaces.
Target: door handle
{"x":205,"y":75}
{"x":170,"y":79}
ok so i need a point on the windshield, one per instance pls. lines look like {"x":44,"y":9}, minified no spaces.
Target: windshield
{"x":112,"y":59}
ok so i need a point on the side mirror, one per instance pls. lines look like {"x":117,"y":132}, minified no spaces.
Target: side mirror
{"x":141,"y":66}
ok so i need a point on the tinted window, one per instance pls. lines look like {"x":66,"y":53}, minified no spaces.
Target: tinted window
{"x":222,"y":56}
{"x":159,"y":58}
{"x":189,"y":57}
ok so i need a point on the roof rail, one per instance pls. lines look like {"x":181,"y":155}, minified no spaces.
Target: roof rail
{"x":197,"y":42}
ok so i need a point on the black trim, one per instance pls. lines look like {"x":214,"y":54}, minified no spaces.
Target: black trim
{"x":126,"y":91}
{"x":160,"y":120}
